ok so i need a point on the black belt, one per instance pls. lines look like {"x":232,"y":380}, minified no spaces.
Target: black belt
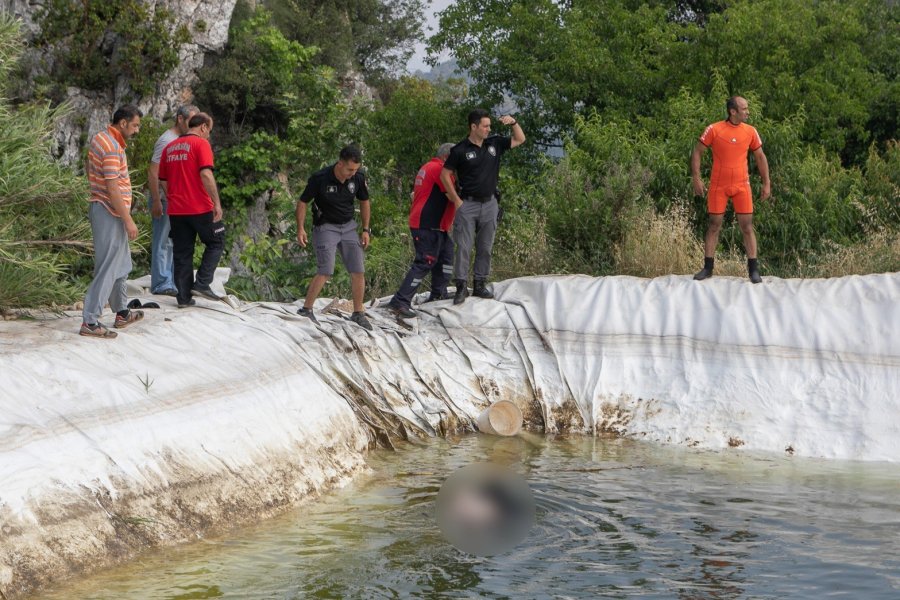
{"x":481,"y":199}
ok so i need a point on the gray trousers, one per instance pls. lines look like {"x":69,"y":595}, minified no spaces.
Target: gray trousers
{"x":474,"y":225}
{"x":112,"y":264}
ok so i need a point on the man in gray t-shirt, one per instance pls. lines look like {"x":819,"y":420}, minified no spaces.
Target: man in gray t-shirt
{"x":161,"y":268}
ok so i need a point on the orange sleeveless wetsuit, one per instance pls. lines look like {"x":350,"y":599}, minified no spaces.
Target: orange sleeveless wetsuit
{"x":730,"y":176}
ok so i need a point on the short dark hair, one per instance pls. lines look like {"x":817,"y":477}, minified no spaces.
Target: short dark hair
{"x":730,"y":105}
{"x":127,"y":112}
{"x":477,"y":115}
{"x":201,"y":118}
{"x":351,"y":154}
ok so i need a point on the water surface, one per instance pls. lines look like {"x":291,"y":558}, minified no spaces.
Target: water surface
{"x":615,"y":519}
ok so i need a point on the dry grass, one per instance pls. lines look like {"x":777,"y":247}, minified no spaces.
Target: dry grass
{"x":656,"y":245}
{"x":522,"y":249}
{"x":878,"y":253}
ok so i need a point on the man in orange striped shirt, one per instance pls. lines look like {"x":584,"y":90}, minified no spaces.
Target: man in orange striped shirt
{"x":730,"y":140}
{"x":111,"y":223}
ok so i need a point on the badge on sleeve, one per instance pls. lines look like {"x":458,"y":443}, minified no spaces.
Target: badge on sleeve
{"x":351,"y":187}
{"x":492,"y":151}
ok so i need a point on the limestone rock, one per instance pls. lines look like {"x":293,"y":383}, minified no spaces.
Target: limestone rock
{"x":207,"y":21}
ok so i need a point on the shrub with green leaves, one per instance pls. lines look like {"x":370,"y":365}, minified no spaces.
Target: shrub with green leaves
{"x":92,"y":44}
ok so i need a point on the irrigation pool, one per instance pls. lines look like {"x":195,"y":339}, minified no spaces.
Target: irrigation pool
{"x":616,"y":518}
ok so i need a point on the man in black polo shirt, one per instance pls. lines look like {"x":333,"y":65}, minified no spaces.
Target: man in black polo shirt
{"x":476,"y":161}
{"x":333,"y":190}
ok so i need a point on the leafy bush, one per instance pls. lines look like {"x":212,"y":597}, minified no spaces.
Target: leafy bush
{"x":92,"y":44}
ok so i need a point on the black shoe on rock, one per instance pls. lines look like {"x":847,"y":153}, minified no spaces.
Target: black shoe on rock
{"x":753,"y":270}
{"x":404,"y":312}
{"x":190,"y":302}
{"x":481,"y":291}
{"x":707,"y":270}
{"x":308,"y":313}
{"x":206,"y":292}
{"x":461,"y":292}
{"x":703,"y":274}
{"x":360,"y":319}
{"x":433,"y":297}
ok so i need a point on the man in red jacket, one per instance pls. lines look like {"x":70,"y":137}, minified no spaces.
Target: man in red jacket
{"x":430,"y":218}
{"x":186,"y":170}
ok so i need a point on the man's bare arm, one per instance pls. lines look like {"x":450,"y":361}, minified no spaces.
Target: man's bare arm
{"x":762,"y":165}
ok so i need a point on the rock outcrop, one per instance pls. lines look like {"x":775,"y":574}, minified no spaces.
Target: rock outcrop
{"x":91,"y":110}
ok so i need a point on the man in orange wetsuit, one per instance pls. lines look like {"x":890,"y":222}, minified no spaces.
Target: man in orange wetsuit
{"x":730,"y":140}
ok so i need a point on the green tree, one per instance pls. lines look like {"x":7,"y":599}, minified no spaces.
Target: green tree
{"x":809,"y":53}
{"x":373,"y":36}
{"x":245,"y":87}
{"x":279,"y":116}
{"x":558,"y":60}
{"x":406,"y":130}
{"x":624,"y":58}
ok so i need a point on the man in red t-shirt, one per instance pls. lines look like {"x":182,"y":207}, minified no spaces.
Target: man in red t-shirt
{"x":430,"y":218}
{"x":730,"y":140}
{"x":186,"y":170}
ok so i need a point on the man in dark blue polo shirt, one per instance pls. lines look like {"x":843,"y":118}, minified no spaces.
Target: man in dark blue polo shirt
{"x":476,"y":162}
{"x":333,"y":191}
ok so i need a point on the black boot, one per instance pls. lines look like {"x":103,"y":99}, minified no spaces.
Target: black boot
{"x":461,"y":291}
{"x":753,"y":270}
{"x":706,"y":271}
{"x":435,"y":296}
{"x":480,"y":290}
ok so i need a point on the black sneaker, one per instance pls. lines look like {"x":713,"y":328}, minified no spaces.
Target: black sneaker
{"x":433,"y":297}
{"x":702,"y":274}
{"x":360,"y":319}
{"x":206,"y":292}
{"x":754,"y":276}
{"x":190,"y":302}
{"x":404,"y":312}
{"x":308,"y":313}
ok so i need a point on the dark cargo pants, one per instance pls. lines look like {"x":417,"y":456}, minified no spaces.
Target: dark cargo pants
{"x":434,"y":254}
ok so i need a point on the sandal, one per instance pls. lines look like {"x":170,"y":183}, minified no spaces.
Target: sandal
{"x":97,"y":331}
{"x":127,"y":317}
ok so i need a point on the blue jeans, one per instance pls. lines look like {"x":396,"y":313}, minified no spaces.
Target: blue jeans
{"x":161,"y":269}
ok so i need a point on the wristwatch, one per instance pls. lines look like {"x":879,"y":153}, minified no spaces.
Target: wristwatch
{"x":367,"y":230}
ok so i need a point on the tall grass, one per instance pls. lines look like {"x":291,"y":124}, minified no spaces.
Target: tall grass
{"x":43,"y":230}
{"x":879,"y":252}
{"x":657,"y":244}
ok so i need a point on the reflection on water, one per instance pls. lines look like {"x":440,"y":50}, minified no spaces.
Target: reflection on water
{"x":615,"y":519}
